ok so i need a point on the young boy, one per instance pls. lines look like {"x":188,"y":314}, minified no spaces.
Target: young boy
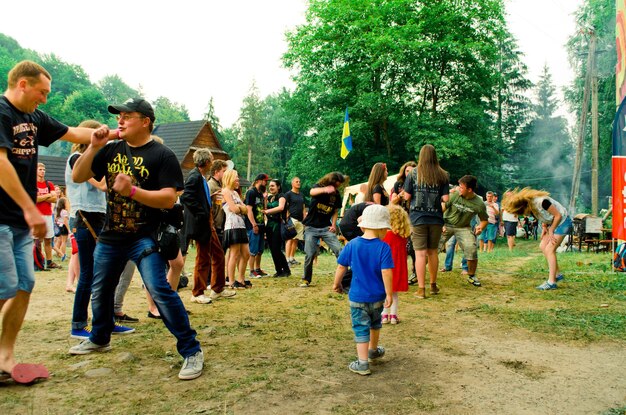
{"x":371,"y":290}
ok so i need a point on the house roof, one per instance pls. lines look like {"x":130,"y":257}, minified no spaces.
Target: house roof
{"x":55,"y":168}
{"x":181,"y":137}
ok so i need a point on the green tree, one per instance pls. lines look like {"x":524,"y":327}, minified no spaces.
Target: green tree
{"x":543,"y":150}
{"x":166,"y":111}
{"x":212,"y":117}
{"x":115,"y":90}
{"x":597,"y":16}
{"x":254,"y":140}
{"x":411,"y":72}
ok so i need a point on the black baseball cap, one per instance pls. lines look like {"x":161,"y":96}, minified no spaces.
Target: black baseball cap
{"x":139,"y":105}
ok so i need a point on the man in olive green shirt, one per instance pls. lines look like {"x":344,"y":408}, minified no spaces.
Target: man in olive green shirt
{"x":458,"y":213}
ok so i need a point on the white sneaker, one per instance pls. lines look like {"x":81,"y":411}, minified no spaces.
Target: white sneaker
{"x":224,"y":294}
{"x":200,"y":299}
{"x":86,"y":347}
{"x":192,"y":366}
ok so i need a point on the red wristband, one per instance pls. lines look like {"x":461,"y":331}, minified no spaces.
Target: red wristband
{"x":133,"y":190}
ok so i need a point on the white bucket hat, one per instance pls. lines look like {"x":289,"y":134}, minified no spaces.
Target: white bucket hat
{"x":375,"y":217}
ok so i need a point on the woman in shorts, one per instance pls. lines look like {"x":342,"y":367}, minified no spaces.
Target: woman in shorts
{"x":555,"y":225}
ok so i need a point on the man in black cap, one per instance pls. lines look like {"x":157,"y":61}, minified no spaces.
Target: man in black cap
{"x":255,"y":224}
{"x":142,"y":177}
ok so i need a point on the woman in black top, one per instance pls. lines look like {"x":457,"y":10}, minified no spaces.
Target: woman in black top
{"x":275,"y":214}
{"x":375,"y":190}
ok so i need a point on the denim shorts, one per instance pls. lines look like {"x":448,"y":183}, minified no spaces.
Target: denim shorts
{"x":16,"y":262}
{"x":256,"y":241}
{"x":490,"y":233}
{"x":365,"y":317}
{"x":565,"y":227}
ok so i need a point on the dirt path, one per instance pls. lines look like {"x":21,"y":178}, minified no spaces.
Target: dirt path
{"x":279,"y":349}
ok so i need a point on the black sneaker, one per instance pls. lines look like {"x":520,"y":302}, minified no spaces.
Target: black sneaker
{"x":474,"y":281}
{"x":126,"y":319}
{"x":413,"y":279}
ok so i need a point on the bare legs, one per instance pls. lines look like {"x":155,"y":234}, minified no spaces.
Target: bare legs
{"x":13,"y":312}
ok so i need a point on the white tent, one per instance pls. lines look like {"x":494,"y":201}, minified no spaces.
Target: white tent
{"x":354,"y":194}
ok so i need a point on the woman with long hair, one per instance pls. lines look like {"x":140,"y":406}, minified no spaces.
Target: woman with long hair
{"x":61,"y":217}
{"x":426,"y":188}
{"x":275,"y":212}
{"x":555,"y":225}
{"x":235,"y":234}
{"x":375,"y":185}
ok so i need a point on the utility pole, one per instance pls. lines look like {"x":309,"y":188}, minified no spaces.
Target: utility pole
{"x":583,"y":123}
{"x":594,"y":136}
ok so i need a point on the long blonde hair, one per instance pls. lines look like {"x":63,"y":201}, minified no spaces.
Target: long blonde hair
{"x":519,"y":202}
{"x":399,"y":219}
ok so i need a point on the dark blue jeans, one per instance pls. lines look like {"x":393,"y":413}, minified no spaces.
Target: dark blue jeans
{"x":109,"y":261}
{"x":86,"y":245}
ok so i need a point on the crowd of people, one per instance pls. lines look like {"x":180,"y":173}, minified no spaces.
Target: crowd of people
{"x":120,"y":182}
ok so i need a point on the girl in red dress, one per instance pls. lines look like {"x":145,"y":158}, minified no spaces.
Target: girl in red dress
{"x":396,"y":238}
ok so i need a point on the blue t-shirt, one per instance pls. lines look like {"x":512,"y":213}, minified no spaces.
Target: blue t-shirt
{"x":367,"y":258}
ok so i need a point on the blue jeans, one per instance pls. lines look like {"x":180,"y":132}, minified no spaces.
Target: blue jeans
{"x":312,"y":237}
{"x":450,"y":247}
{"x":109,"y":262}
{"x":365,"y":317}
{"x":86,"y":245}
{"x":16,"y":262}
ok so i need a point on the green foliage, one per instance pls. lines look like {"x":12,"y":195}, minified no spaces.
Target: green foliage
{"x":253,"y":142}
{"x":115,"y":90}
{"x":600,"y":16}
{"x":543,"y":151}
{"x":445,"y":73}
{"x":166,"y":111}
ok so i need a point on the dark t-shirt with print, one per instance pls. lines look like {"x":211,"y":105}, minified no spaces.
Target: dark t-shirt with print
{"x":128,"y":220}
{"x":425,"y":207}
{"x":295,"y":205}
{"x":20,"y":134}
{"x":255,"y":199}
{"x":322,"y":208}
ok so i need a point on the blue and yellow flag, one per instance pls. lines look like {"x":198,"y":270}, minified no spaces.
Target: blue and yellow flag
{"x":346,"y":138}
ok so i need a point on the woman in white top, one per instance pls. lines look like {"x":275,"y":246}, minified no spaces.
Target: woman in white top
{"x":555,"y":225}
{"x":235,"y":235}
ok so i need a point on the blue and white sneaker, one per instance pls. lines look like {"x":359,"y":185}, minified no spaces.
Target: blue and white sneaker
{"x":547,"y":286}
{"x":560,"y":277}
{"x":81,"y":334}
{"x":119,"y":329}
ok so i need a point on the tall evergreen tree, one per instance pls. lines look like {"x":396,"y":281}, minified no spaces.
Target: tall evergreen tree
{"x":544,"y":149}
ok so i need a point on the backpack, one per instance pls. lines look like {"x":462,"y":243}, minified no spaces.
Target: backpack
{"x":40,"y":261}
{"x":619,"y":258}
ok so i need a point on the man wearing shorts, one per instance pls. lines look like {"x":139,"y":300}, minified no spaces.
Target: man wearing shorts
{"x":22,"y":129}
{"x":460,"y":209}
{"x":255,"y":224}
{"x":46,"y":197}
{"x":295,"y":211}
